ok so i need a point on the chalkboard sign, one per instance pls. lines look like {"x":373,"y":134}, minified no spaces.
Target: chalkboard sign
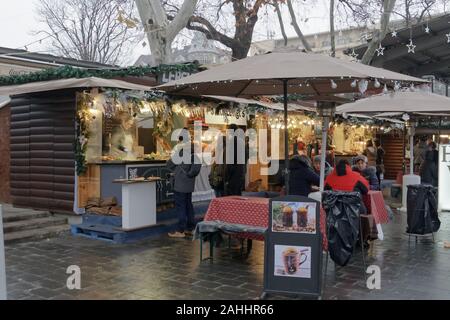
{"x":293,"y":247}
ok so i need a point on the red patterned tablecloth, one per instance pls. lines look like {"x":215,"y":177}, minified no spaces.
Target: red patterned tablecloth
{"x":375,"y":205}
{"x":248,"y":211}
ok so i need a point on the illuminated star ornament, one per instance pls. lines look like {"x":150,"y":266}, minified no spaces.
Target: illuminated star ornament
{"x":411,"y":46}
{"x":354,"y":55}
{"x":427,"y":29}
{"x":394,"y":34}
{"x":380,"y":50}
{"x":448,"y":37}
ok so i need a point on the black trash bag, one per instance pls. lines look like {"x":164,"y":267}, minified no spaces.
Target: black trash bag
{"x":422,"y":210}
{"x":342,"y":209}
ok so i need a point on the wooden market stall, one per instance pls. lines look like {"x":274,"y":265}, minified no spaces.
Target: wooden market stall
{"x":42,"y":130}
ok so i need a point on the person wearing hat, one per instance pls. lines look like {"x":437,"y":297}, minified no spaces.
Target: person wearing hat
{"x":368,"y":172}
{"x":316,"y":164}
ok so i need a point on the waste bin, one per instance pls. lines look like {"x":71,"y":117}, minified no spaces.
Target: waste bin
{"x":422,"y":213}
{"x":342,"y":209}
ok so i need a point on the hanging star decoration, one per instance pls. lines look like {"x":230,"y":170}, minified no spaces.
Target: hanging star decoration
{"x":427,"y":29}
{"x":448,"y":37}
{"x":411,"y":46}
{"x":354,"y":55}
{"x":394,"y":34}
{"x":380,"y":50}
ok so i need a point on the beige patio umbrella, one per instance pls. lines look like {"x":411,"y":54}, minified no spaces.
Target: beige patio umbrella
{"x":284,"y":72}
{"x":400,"y":105}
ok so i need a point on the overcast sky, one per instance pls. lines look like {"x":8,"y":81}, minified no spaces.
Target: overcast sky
{"x":18,"y":20}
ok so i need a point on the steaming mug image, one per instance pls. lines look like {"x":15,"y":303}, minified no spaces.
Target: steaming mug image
{"x":293,"y":260}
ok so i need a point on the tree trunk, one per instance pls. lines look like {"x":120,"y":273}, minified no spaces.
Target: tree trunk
{"x":239,"y":52}
{"x":388,"y":6}
{"x":332,"y":34}
{"x":161,"y":33}
{"x":297,"y":28}
{"x":280,"y":19}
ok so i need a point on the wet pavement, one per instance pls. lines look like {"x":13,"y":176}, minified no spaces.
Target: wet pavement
{"x":166,"y":268}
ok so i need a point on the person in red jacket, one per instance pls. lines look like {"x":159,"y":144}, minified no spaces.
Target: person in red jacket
{"x":343,"y":178}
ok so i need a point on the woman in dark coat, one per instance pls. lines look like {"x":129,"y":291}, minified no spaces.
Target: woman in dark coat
{"x":301,"y":176}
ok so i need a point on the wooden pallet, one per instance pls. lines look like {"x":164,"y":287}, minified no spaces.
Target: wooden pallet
{"x":99,"y":232}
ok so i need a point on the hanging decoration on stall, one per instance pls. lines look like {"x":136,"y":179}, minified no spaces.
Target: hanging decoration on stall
{"x":83,"y":117}
{"x":411,"y":46}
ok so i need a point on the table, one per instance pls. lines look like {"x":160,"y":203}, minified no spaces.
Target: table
{"x":252,"y":212}
{"x":138,"y":203}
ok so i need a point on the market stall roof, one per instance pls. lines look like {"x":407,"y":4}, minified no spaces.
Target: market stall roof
{"x":4,"y":100}
{"x":431,"y":55}
{"x":91,"y":82}
{"x":307,"y":74}
{"x":397,"y":103}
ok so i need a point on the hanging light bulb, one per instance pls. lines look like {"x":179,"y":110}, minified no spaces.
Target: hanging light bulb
{"x":362,"y":86}
{"x":333,"y":85}
{"x":377,"y":83}
{"x":385,"y":89}
{"x":354,"y":84}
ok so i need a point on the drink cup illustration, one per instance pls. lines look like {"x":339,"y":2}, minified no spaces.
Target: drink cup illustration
{"x":288,"y":219}
{"x":293,"y":259}
{"x":302,"y":217}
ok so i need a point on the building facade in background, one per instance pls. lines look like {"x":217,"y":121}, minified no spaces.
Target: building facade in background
{"x":200,"y":49}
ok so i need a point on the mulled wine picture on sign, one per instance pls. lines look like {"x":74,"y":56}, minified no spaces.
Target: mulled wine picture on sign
{"x":292,"y":261}
{"x":294,"y":217}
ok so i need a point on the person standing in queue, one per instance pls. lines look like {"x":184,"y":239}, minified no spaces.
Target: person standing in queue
{"x":185,"y":170}
{"x":235,"y":163}
{"x":380,"y":161}
{"x":218,"y":168}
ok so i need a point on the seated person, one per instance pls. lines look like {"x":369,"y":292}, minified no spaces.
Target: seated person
{"x":301,"y":176}
{"x":344,"y":179}
{"x":369,"y":173}
{"x":316,"y":163}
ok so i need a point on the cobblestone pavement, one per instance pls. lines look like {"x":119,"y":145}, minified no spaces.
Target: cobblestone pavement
{"x":165,"y":268}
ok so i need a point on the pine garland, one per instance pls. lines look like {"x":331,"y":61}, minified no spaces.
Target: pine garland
{"x":68,"y":72}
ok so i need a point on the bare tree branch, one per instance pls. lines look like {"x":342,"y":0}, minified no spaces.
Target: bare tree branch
{"x":280,"y":20}
{"x":297,"y":28}
{"x":89,"y":30}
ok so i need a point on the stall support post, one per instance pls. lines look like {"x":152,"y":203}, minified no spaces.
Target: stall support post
{"x":286,"y":136}
{"x":411,"y":150}
{"x":323,"y":152}
{"x":411,"y":178}
{"x":2,"y":260}
{"x":326,"y":110}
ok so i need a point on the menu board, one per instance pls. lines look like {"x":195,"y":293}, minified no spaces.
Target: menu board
{"x":293,"y":247}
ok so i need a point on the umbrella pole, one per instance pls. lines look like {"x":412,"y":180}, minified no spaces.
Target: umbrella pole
{"x":286,"y":137}
{"x":323,"y":152}
{"x":411,"y":150}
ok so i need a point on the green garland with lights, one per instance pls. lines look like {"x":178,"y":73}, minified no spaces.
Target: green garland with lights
{"x":68,"y":72}
{"x":82,"y":133}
